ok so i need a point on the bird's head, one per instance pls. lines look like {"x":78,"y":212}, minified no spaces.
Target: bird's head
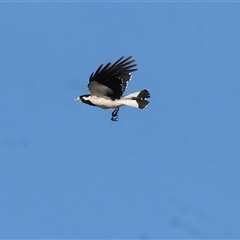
{"x":77,"y":99}
{"x":82,"y":98}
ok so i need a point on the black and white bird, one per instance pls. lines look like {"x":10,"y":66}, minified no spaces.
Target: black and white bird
{"x":108,"y":84}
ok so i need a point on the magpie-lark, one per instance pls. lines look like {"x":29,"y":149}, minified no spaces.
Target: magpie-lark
{"x":108,"y":84}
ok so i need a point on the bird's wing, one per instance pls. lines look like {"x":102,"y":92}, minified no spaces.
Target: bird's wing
{"x":112,"y":79}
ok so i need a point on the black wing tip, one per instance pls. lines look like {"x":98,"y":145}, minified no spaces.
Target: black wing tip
{"x":124,"y":60}
{"x":122,"y":66}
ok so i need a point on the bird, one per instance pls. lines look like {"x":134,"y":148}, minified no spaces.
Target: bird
{"x":108,"y":84}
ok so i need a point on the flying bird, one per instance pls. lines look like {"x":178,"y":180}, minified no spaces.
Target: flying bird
{"x":108,"y":84}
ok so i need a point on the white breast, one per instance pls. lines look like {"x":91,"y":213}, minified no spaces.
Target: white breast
{"x":105,"y":102}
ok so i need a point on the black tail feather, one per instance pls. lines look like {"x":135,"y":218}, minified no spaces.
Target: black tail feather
{"x":144,"y":94}
{"x":142,"y":103}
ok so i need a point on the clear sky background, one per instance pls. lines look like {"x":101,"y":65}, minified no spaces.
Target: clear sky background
{"x":169,"y":171}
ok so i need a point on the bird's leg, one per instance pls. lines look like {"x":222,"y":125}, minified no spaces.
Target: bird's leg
{"x":115,"y":114}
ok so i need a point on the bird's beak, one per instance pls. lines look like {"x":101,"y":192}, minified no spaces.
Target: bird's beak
{"x":77,"y":99}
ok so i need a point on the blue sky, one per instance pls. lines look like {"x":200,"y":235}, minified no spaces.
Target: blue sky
{"x":169,"y":171}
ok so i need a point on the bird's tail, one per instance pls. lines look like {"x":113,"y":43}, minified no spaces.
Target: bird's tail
{"x":137,"y":99}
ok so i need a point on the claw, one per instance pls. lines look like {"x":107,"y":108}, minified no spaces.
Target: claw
{"x":115,"y":115}
{"x":114,"y":119}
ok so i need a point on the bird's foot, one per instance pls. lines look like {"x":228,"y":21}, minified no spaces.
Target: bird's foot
{"x":115,"y":115}
{"x":114,"y":119}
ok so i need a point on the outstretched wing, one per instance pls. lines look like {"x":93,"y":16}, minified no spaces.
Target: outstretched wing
{"x":112,"y":79}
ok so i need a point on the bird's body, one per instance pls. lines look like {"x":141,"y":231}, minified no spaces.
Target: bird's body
{"x":108,"y":84}
{"x":104,"y":102}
